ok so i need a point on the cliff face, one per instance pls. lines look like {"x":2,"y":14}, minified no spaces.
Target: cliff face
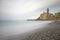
{"x":47,"y":16}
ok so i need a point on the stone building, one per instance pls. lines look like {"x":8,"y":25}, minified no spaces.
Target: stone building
{"x":47,"y":15}
{"x":57,"y":15}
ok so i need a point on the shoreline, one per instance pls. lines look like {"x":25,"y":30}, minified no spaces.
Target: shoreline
{"x":51,"y":32}
{"x":41,"y":20}
{"x":38,"y":33}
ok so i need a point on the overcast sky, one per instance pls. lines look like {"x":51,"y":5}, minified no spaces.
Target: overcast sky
{"x":26,"y":9}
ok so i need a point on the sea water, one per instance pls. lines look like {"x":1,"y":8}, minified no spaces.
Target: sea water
{"x":13,"y":27}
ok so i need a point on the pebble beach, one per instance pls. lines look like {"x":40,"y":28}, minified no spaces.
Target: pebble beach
{"x":52,"y":32}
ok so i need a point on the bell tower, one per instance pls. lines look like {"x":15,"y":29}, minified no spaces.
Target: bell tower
{"x":47,"y":10}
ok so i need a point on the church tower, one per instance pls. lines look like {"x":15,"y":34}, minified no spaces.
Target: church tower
{"x":47,"y":10}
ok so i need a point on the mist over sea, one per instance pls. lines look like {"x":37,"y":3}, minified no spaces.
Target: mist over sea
{"x":14,"y":27}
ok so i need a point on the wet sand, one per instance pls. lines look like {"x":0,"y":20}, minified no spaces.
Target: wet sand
{"x":50,"y":32}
